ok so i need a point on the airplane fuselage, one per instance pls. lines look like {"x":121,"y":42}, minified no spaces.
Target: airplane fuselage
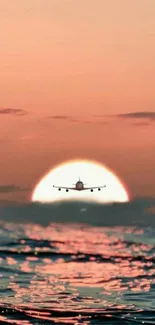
{"x":79,"y":186}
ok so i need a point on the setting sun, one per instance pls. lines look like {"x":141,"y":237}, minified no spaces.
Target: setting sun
{"x":91,"y":173}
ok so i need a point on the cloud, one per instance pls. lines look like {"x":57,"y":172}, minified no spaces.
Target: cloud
{"x":60,"y":117}
{"x":84,"y":119}
{"x":11,"y":188}
{"x":138,"y":118}
{"x":63,"y":118}
{"x":143,"y":116}
{"x":139,"y":212}
{"x":138,"y":115}
{"x":12,"y":111}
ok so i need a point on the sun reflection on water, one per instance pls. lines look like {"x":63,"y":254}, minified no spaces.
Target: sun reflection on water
{"x":62,"y":271}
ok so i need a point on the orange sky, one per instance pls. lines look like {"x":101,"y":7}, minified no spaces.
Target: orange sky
{"x":77,"y":58}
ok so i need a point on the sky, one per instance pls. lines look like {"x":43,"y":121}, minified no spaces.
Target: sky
{"x":76,"y":81}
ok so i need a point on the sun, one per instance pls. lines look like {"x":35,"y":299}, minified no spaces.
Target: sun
{"x":91,"y":173}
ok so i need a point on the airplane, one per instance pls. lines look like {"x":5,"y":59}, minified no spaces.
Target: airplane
{"x":79,"y":186}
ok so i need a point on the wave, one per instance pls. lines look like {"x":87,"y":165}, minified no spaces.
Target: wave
{"x":75,"y":273}
{"x":112,"y":316}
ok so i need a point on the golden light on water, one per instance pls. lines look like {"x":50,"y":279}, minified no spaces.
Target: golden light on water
{"x":91,"y":173}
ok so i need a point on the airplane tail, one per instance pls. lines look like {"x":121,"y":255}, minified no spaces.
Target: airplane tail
{"x":79,"y":180}
{"x":82,"y":182}
{"x":76,"y":182}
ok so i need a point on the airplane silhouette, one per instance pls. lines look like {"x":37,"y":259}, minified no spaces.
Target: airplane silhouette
{"x":79,"y":186}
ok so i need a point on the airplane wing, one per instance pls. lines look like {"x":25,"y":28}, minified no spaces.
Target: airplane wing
{"x":93,"y":187}
{"x":75,"y":189}
{"x":65,"y":188}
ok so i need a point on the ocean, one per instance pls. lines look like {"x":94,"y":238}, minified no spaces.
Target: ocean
{"x":77,"y":263}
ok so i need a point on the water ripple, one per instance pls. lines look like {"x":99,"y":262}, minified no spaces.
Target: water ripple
{"x":76,"y":274}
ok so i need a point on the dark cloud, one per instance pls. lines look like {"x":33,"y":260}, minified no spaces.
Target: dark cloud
{"x":64,"y":118}
{"x":139,"y":118}
{"x":12,"y":111}
{"x":60,"y":117}
{"x":139,"y":212}
{"x":146,"y":115}
{"x":11,"y":188}
{"x":6,"y":203}
{"x":82,"y":119}
{"x":138,"y":115}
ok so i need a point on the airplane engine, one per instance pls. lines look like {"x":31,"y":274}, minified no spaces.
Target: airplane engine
{"x":67,"y":190}
{"x":99,"y":189}
{"x":91,"y":190}
{"x":59,"y":189}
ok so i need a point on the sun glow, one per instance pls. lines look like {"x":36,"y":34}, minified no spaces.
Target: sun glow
{"x":91,"y":173}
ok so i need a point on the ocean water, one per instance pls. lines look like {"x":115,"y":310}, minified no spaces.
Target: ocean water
{"x":78,"y":267}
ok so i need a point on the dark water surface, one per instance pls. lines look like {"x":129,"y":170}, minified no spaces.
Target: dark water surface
{"x":76,"y":274}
